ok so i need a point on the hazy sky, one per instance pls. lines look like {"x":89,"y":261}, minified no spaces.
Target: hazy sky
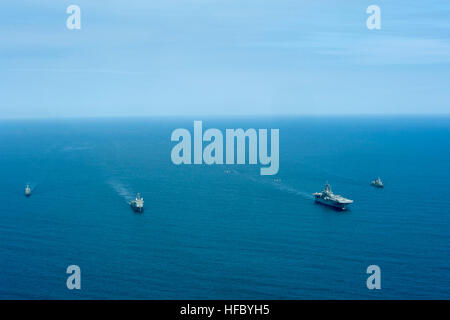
{"x":214,"y":57}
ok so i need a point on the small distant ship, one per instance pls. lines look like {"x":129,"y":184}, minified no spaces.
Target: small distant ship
{"x":27,"y":191}
{"x":138,"y":204}
{"x":377,"y":183}
{"x":327,"y":197}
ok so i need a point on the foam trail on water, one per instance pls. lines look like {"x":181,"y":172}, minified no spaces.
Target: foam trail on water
{"x":121,"y":189}
{"x":284,"y":187}
{"x":277,"y":185}
{"x":32,"y":185}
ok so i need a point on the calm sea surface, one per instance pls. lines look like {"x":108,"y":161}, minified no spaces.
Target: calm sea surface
{"x":222,"y":232}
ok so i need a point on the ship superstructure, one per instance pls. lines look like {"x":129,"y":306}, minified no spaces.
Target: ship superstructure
{"x":138,"y":204}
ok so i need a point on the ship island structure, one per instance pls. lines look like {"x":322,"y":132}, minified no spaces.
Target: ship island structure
{"x":137,"y":204}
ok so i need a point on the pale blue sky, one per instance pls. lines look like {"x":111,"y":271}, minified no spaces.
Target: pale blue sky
{"x":223,"y":57}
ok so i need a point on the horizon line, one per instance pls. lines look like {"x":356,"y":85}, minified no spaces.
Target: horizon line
{"x":296,"y":115}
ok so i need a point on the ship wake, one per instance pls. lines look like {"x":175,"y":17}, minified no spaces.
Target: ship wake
{"x":121,"y":189}
{"x":286,"y":188}
{"x":277,"y":184}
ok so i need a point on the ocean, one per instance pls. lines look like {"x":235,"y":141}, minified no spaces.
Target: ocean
{"x":225,"y":231}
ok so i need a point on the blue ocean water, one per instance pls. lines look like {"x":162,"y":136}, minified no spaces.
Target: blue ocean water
{"x":225,"y":232}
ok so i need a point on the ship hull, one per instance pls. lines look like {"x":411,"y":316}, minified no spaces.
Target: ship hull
{"x":333,"y":204}
{"x":136,"y":209}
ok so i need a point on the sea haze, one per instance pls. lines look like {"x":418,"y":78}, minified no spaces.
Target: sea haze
{"x":225,"y":232}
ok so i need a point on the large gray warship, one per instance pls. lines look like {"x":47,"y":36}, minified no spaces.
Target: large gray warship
{"x":328,"y":198}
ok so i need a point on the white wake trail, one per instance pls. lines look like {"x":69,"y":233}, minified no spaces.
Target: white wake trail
{"x":277,"y":185}
{"x":283,"y":187}
{"x":121,"y":189}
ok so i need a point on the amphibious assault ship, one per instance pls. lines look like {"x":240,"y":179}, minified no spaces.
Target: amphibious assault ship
{"x":138,"y":204}
{"x":327,"y":197}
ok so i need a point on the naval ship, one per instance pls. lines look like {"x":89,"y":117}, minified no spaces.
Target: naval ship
{"x":138,"y":204}
{"x":327,"y":197}
{"x":27,"y":191}
{"x":377,"y":183}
